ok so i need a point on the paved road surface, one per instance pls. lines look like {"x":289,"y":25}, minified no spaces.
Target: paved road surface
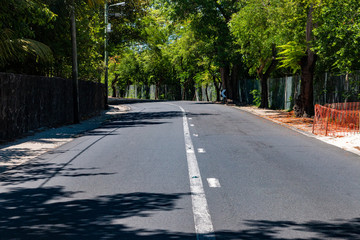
{"x":155,"y":173}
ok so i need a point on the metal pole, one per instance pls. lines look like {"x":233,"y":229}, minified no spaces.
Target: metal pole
{"x":106,"y":12}
{"x":74,"y":66}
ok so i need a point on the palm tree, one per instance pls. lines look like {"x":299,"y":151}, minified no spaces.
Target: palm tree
{"x":12,"y":48}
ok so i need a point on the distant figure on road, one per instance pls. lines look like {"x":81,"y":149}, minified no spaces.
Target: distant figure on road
{"x":224,"y":98}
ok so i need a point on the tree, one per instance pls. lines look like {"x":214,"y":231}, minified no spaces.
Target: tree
{"x":157,"y":65}
{"x":209,"y":75}
{"x":128,"y":24}
{"x":125,"y":70}
{"x":144,"y":60}
{"x":297,"y":31}
{"x":13,"y":49}
{"x":17,"y":36}
{"x":185,"y":53}
{"x":338,"y":35}
{"x":209,"y":21}
{"x":254,"y":29}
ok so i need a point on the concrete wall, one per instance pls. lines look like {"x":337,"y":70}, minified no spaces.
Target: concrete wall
{"x":31,"y":102}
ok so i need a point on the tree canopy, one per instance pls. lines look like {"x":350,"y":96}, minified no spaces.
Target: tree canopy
{"x":185,"y":44}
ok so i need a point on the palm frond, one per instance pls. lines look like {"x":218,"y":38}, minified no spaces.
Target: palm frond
{"x":37,"y":49}
{"x":7,"y":46}
{"x":16,"y":50}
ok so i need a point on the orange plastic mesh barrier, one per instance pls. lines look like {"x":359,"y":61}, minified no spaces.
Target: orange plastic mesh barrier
{"x":337,"y":119}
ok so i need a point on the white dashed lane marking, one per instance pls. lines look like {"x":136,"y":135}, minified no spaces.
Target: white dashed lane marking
{"x":201,"y":150}
{"x":213,"y":182}
{"x":203,"y":224}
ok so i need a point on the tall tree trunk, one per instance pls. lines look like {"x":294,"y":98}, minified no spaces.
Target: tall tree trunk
{"x":305,"y":103}
{"x":113,"y":91}
{"x":225,"y":79}
{"x":113,"y":85}
{"x":157,"y":90}
{"x":217,"y":88}
{"x":74,"y":65}
{"x":306,"y":98}
{"x":235,"y":82}
{"x":206,"y":93}
{"x":182,"y":93}
{"x":264,"y":90}
{"x":265,"y":76}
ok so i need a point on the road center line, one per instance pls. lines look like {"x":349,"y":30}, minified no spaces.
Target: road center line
{"x":203,"y":224}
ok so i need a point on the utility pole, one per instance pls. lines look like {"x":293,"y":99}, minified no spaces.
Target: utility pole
{"x":75,"y":81}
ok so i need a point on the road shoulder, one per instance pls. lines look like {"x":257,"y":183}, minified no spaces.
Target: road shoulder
{"x":348,"y":143}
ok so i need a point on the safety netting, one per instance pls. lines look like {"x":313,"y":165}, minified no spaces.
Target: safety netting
{"x":337,"y":119}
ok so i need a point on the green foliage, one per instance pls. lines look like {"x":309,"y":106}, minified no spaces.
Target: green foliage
{"x":147,"y":62}
{"x":20,"y":16}
{"x":37,"y":34}
{"x":253,"y":33}
{"x":180,"y":43}
{"x":256,"y":97}
{"x":127,"y":27}
{"x":90,"y":39}
{"x":291,"y":20}
{"x":17,"y":43}
{"x":337,"y":35}
{"x":290,"y":55}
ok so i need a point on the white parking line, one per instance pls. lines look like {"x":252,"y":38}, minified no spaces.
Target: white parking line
{"x":203,"y":224}
{"x":213,"y":182}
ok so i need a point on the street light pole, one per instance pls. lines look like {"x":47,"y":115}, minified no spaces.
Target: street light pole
{"x":106,"y":55}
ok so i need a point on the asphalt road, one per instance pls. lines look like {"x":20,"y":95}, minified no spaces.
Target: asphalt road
{"x":156,"y":173}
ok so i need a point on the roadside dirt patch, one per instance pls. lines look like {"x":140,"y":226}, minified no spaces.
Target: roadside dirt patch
{"x":284,"y":117}
{"x":289,"y":118}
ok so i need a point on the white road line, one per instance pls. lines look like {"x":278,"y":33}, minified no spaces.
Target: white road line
{"x":201,"y":150}
{"x":195,"y":135}
{"x":191,"y":125}
{"x":213,"y":182}
{"x":203,"y":224}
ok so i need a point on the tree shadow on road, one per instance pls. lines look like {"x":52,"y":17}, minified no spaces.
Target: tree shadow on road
{"x":286,"y":230}
{"x":54,"y":136}
{"x":142,"y":119}
{"x":38,"y":214}
{"x":52,"y":213}
{"x":36,"y":170}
